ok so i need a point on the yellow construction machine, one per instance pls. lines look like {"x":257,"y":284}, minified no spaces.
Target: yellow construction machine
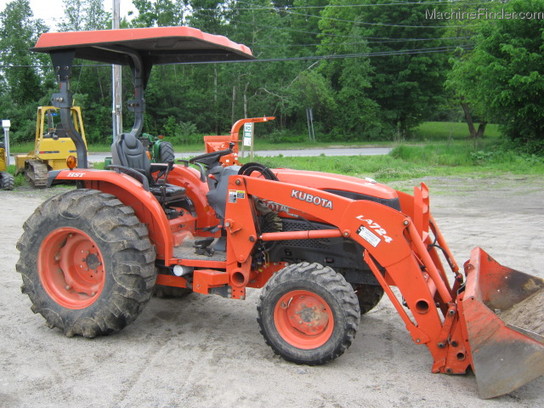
{"x":52,"y":145}
{"x":6,"y":179}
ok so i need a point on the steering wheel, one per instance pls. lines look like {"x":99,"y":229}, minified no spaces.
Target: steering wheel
{"x":207,"y":159}
{"x":249,"y":168}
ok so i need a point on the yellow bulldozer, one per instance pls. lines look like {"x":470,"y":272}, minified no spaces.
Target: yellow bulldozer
{"x":52,"y":145}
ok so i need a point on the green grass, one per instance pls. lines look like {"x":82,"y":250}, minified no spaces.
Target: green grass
{"x":453,"y":158}
{"x":426,"y":132}
{"x":444,"y":131}
{"x":435,"y":149}
{"x":21,"y":147}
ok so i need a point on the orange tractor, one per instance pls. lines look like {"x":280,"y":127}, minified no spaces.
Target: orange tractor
{"x":324,"y":248}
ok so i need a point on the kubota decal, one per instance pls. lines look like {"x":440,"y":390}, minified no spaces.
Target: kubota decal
{"x":277,"y":207}
{"x":310,"y":198}
{"x":372,"y":227}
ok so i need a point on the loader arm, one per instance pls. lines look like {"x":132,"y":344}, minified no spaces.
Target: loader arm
{"x":400,"y":248}
{"x":392,"y":245}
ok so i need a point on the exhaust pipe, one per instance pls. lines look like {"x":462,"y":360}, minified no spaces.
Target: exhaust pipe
{"x":503,"y":313}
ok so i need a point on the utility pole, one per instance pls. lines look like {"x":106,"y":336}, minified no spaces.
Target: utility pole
{"x":117,"y":104}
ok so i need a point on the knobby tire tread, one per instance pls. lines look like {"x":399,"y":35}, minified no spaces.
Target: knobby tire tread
{"x":326,"y":278}
{"x":130,"y":273}
{"x":166,"y":152}
{"x":369,"y":296}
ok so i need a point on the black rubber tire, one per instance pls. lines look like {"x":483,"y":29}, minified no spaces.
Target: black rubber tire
{"x":332,"y":288}
{"x":128,"y":261}
{"x":166,"y":152}
{"x":369,"y":296}
{"x":170,"y":292}
{"x":7,"y":182}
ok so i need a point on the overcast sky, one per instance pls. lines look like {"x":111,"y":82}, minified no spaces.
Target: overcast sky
{"x":51,"y":11}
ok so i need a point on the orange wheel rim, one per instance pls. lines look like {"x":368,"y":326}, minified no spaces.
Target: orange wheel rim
{"x":71,"y":268}
{"x":303,"y":319}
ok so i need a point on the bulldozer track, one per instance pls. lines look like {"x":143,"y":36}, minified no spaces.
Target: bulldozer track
{"x":36,"y":173}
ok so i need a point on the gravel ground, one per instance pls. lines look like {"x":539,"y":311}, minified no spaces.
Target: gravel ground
{"x":205,"y":351}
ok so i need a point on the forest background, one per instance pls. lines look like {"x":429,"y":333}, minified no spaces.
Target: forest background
{"x":369,"y":70}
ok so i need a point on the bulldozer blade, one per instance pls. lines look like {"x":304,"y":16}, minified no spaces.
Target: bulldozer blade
{"x":503,"y":313}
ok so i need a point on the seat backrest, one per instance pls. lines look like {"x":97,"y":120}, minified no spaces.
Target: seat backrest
{"x":217,"y":196}
{"x":128,"y":151}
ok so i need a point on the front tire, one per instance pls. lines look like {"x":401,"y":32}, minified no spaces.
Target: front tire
{"x":308,"y":313}
{"x":369,"y":296}
{"x":87,"y":263}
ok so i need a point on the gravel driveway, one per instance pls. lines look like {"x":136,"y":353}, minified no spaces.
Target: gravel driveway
{"x":205,"y":351}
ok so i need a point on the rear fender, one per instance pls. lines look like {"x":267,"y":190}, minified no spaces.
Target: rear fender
{"x":131,"y":193}
{"x":190,"y":179}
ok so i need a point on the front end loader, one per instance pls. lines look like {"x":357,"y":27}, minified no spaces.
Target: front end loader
{"x":323,"y":247}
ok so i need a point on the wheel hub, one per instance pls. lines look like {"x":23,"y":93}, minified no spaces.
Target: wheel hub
{"x":71,"y":268}
{"x":308,"y":315}
{"x":92,"y":261}
{"x":303,"y":319}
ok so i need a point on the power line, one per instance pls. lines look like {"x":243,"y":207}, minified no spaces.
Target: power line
{"x":379,"y":40}
{"x":414,"y":51}
{"x":357,"y":22}
{"x":287,"y":8}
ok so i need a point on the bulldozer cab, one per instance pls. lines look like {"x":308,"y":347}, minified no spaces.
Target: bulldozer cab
{"x":52,"y":144}
{"x":52,"y":140}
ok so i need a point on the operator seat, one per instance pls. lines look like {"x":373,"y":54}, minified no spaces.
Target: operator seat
{"x":129,"y":154}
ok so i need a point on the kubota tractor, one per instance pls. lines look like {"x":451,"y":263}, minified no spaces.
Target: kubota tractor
{"x":323,"y":247}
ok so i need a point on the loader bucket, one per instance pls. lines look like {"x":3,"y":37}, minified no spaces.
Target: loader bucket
{"x":503,"y":311}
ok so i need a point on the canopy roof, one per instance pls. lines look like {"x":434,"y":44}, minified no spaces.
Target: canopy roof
{"x":160,"y":45}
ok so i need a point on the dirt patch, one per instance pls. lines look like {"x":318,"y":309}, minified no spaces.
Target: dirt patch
{"x":203,"y":351}
{"x":528,"y":314}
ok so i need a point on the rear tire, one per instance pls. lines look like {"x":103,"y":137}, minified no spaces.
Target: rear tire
{"x":308,"y":313}
{"x":166,"y":152}
{"x":87,"y":263}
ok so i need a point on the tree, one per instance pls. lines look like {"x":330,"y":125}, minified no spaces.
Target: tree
{"x":408,"y":63}
{"x":91,"y":84}
{"x":84,"y":15}
{"x":21,"y":76}
{"x":355,"y":112}
{"x":461,"y":77}
{"x":504,"y":73}
{"x":461,"y":83}
{"x":267,"y":88}
{"x":158,"y":13}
